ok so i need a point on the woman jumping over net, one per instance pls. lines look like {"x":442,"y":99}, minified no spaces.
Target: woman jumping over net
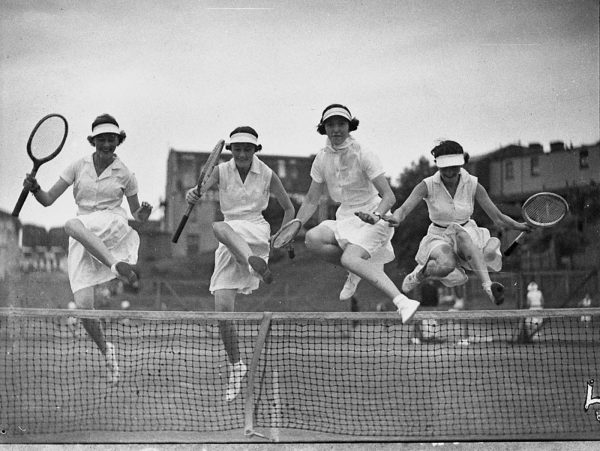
{"x":102,"y":245}
{"x":454,"y":242}
{"x":245,"y":184}
{"x":355,"y":178}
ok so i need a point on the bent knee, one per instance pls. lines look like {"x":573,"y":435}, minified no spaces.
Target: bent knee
{"x":463,"y":238}
{"x":312,"y":239}
{"x":72,"y":225}
{"x":442,"y":262}
{"x":84,"y":298}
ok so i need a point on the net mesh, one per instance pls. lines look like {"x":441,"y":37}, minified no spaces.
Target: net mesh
{"x":545,"y":210}
{"x":48,"y":137}
{"x":351,"y":375}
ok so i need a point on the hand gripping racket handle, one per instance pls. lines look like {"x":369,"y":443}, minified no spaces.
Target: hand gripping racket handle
{"x":23,"y":196}
{"x":514,"y":244}
{"x":182,"y":223}
{"x":291,"y":252}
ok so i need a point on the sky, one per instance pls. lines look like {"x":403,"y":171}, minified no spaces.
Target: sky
{"x":183,"y":73}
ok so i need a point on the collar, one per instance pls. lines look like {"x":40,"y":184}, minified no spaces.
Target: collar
{"x":346,"y":145}
{"x":437,"y":178}
{"x":116,"y":164}
{"x":253,"y":167}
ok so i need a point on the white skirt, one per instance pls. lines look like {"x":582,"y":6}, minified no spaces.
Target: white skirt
{"x":228,"y":273}
{"x":121,"y":240}
{"x":374,"y":238}
{"x":436,"y":236}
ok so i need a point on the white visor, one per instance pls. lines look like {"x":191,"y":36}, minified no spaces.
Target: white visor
{"x":105,"y":128}
{"x":244,"y":138}
{"x":444,"y":161}
{"x":336,"y":111}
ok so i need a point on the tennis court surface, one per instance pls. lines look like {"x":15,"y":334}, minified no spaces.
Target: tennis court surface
{"x":312,"y":377}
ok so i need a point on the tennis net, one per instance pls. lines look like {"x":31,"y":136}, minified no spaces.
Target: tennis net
{"x":476,"y":375}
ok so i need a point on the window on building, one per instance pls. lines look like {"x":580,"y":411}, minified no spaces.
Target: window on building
{"x":583,"y":159}
{"x":281,"y":168}
{"x":535,"y":165}
{"x":509,"y":171}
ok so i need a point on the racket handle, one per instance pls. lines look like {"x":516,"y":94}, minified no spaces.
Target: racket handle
{"x":24,"y":194}
{"x":20,"y":202}
{"x":182,"y":223}
{"x":513,"y":245}
{"x":291,"y":252}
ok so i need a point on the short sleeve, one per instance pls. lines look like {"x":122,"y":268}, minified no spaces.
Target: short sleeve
{"x":131,"y":187}
{"x":70,"y":172}
{"x":371,"y":165}
{"x":316,"y":170}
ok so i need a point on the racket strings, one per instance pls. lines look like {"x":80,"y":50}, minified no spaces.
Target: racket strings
{"x":47,"y":137}
{"x":545,"y":211}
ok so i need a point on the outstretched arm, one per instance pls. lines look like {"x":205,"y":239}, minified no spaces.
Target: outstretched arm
{"x":418,"y":193}
{"x":311,"y":202}
{"x":499,"y":218}
{"x":282,"y":197}
{"x":46,"y":198}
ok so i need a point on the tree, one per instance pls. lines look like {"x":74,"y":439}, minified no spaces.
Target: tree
{"x":408,"y":236}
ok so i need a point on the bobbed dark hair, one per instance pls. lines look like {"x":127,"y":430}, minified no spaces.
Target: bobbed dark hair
{"x":106,"y":119}
{"x":448,"y":147}
{"x":245,"y":129}
{"x":353,"y":122}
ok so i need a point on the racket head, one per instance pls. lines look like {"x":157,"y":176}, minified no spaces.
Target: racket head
{"x":47,"y":138}
{"x":545,"y":209}
{"x":210,"y":164}
{"x":286,"y":234}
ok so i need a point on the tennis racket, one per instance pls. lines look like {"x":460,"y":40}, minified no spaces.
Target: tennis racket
{"x":541,"y":210}
{"x":45,"y":142}
{"x":285,"y":236}
{"x":201,"y":188}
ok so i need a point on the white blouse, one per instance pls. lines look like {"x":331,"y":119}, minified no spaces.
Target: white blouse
{"x":104,"y":192}
{"x":244,"y":200}
{"x":445,"y":209}
{"x":348,"y":173}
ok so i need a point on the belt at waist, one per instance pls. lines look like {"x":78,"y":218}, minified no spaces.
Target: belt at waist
{"x":445,"y":227}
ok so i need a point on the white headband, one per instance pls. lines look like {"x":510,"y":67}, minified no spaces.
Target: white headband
{"x":336,"y":111}
{"x":244,"y":138}
{"x":105,"y":128}
{"x":444,"y":161}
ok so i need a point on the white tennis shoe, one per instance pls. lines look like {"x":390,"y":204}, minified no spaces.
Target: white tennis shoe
{"x":406,"y":307}
{"x":111,"y":363}
{"x":349,"y":287}
{"x":234,"y":385}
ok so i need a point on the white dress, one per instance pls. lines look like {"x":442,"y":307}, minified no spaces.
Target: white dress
{"x":449,"y":215}
{"x":99,"y":200}
{"x":242,"y":204}
{"x":348,"y":173}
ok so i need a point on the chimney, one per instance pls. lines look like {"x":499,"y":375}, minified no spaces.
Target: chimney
{"x":557,"y":146}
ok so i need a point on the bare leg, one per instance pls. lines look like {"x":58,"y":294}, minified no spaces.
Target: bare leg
{"x":442,"y":262}
{"x":234,"y":242}
{"x":94,"y":245}
{"x":225,"y":302}
{"x":355,"y":260}
{"x":321,"y":241}
{"x":474,"y":257}
{"x":84,"y":299}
